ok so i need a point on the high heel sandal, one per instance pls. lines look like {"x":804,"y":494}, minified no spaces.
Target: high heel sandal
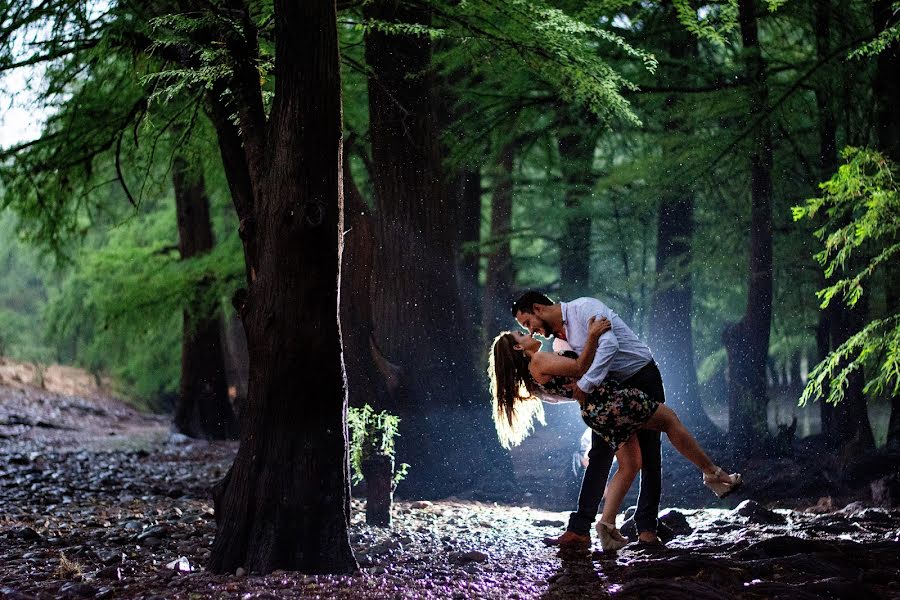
{"x":722,"y":488}
{"x":610,"y":538}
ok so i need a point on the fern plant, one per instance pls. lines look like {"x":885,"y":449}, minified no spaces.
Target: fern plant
{"x":372,"y":434}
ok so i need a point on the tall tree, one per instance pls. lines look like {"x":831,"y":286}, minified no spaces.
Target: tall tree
{"x":500,"y":272}
{"x":417,"y":294}
{"x":284,"y":504}
{"x":371,"y":379}
{"x":671,"y":333}
{"x":747,"y":341}
{"x":203,"y":409}
{"x":577,"y":143}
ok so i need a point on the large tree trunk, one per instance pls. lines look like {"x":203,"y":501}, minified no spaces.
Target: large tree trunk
{"x":468,"y":219}
{"x":285,"y":503}
{"x":416,"y":306}
{"x":500,"y":274}
{"x":747,"y":341}
{"x":671,"y":332}
{"x":371,"y":379}
{"x":850,"y":424}
{"x":203,"y":409}
{"x":576,"y":152}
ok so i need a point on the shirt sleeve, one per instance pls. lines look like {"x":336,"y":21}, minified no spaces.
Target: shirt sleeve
{"x":607,"y":348}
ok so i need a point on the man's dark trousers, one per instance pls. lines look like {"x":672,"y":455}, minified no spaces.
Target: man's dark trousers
{"x":649,"y":381}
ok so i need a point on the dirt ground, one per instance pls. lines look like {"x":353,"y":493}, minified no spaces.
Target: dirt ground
{"x":100,"y":501}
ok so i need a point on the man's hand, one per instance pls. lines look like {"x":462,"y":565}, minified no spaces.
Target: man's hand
{"x":578,"y":394}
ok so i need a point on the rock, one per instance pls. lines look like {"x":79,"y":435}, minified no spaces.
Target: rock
{"x":28,"y":534}
{"x":886,"y":491}
{"x":157,"y":531}
{"x":76,"y":589}
{"x":133,"y":526}
{"x":824,"y":505}
{"x":852,"y":508}
{"x":469,"y":556}
{"x":547,"y":523}
{"x":179,"y":439}
{"x":240,"y":572}
{"x":663,"y":531}
{"x":755,"y":513}
{"x":111,"y":572}
{"x":676,"y":521}
{"x":419,"y":504}
{"x":109,"y":558}
{"x":180,"y":564}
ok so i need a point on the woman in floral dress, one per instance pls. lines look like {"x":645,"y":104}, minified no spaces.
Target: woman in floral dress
{"x":521,"y":376}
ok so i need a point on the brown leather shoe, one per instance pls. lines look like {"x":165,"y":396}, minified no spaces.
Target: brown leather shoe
{"x":569,"y":539}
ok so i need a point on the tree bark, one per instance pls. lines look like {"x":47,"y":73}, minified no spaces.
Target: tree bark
{"x":417,"y":302}
{"x":203,"y":409}
{"x":747,"y":341}
{"x":371,"y":379}
{"x":500,"y":274}
{"x":670,"y":329}
{"x":285,"y":503}
{"x":576,"y":151}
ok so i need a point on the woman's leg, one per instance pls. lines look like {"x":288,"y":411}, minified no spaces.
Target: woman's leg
{"x":665,"y":419}
{"x":629,"y":457}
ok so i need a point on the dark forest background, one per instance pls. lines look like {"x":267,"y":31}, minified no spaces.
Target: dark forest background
{"x":648,"y":154}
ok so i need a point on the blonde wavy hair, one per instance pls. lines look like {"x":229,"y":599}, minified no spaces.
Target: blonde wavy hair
{"x":513,"y":392}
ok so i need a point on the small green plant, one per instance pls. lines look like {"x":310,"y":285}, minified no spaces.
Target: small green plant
{"x":372,"y":434}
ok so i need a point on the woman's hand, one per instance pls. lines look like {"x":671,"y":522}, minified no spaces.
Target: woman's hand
{"x":597,"y":327}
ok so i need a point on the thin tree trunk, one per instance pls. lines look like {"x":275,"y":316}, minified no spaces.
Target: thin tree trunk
{"x":500,"y":274}
{"x":285,"y":503}
{"x":203,"y":409}
{"x":671,"y":332}
{"x":576,"y":151}
{"x":747,"y":341}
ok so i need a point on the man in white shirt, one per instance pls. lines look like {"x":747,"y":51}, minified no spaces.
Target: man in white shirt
{"x":622,"y":355}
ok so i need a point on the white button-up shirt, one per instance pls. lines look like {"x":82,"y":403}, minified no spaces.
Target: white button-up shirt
{"x":619,"y":351}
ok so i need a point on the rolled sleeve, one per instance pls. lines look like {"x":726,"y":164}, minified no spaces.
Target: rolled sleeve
{"x":606,"y":351}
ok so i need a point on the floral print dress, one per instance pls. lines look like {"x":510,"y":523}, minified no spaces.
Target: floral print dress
{"x":613,"y":411}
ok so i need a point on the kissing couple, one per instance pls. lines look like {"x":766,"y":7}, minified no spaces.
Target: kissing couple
{"x":618,"y":387}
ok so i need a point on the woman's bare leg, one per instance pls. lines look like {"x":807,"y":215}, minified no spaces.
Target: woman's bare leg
{"x":629,"y":457}
{"x":665,"y":420}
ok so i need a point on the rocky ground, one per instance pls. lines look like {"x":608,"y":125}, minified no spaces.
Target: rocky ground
{"x":100,"y":501}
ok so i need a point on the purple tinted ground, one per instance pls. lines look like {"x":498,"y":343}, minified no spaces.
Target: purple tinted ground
{"x":99,"y":501}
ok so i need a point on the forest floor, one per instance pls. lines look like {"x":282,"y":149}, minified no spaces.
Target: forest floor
{"x":98,"y":500}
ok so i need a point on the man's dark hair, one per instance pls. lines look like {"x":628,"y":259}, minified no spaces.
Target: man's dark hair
{"x":529,"y":299}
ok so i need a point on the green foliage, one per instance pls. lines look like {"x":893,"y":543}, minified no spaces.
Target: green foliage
{"x":713,"y":23}
{"x":121,"y":305}
{"x":371,"y":434}
{"x":861,"y":207}
{"x":883,"y":39}
{"x":24,"y":286}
